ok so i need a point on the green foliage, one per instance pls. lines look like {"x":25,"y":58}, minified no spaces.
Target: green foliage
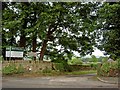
{"x":106,"y":67}
{"x":81,"y":72}
{"x":60,"y":23}
{"x":100,"y":58}
{"x":118,"y":61}
{"x":59,"y":67}
{"x":75,"y":67}
{"x":94,"y":65}
{"x":109,"y":21}
{"x":8,"y":69}
{"x":13,"y":69}
{"x":105,"y":59}
{"x":75,"y":61}
{"x":114,"y":65}
{"x":93,"y":59}
{"x":104,"y":70}
{"x":46,"y":70}
{"x":86,"y":65}
{"x":62,"y":65}
{"x":20,"y":69}
{"x":1,"y":58}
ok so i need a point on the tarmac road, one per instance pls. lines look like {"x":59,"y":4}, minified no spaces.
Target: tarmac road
{"x":79,"y":81}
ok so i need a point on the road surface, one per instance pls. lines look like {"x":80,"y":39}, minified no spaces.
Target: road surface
{"x":71,"y":81}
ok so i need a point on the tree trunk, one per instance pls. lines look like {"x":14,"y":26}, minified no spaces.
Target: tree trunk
{"x":12,"y":41}
{"x":44,"y":45}
{"x":34,"y":43}
{"x":23,"y":35}
{"x":22,"y":41}
{"x":43,"y":49}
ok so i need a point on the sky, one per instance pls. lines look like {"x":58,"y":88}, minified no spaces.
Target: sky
{"x":96,"y":52}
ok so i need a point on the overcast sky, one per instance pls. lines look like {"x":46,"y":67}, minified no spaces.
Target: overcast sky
{"x":96,"y":52}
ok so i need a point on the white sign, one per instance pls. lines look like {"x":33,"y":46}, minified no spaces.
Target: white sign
{"x":18,"y":54}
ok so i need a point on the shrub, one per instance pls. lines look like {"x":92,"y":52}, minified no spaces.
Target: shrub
{"x":75,"y":61}
{"x":1,"y":58}
{"x":46,"y":70}
{"x":59,"y":66}
{"x":118,"y":61}
{"x":10,"y":69}
{"x":107,"y":68}
{"x":104,"y":59}
{"x":20,"y":69}
{"x":13,"y":69}
{"x":94,"y":65}
{"x":75,"y":67}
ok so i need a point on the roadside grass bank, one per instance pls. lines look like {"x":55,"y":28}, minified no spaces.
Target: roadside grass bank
{"x":81,"y":72}
{"x":44,"y":68}
{"x":52,"y":73}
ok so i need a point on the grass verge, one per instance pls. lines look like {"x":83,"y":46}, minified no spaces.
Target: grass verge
{"x":53,"y":73}
{"x":81,"y":72}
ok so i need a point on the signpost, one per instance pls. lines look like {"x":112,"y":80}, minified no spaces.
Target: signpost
{"x":15,"y":52}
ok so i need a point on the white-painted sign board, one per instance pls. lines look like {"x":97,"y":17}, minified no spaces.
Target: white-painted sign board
{"x":14,"y":52}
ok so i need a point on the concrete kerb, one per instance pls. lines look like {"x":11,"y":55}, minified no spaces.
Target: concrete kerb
{"x":106,"y":81}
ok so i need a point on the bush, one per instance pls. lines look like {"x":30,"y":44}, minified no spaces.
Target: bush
{"x":75,"y":61}
{"x":13,"y":69}
{"x":108,"y":69}
{"x":105,"y":59}
{"x":1,"y":58}
{"x":94,"y":65}
{"x":75,"y":67}
{"x":59,"y":67}
{"x":20,"y":69}
{"x":10,"y":69}
{"x":46,"y":70}
{"x":118,"y":61}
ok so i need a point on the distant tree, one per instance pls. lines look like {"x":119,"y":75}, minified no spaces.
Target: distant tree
{"x":100,"y":59}
{"x":75,"y":61}
{"x":93,"y":58}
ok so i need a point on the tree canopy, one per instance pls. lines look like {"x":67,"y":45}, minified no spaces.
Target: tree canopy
{"x":57,"y":29}
{"x":65,"y":25}
{"x":109,"y":16}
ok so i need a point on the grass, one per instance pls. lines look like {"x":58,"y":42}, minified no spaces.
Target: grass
{"x":81,"y":72}
{"x":13,"y":70}
{"x":0,"y":58}
{"x":54,"y":73}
